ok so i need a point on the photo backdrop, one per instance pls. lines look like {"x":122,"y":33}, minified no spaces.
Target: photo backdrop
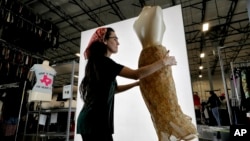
{"x":132,"y":118}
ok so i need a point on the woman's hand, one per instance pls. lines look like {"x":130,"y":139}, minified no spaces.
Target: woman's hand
{"x":169,"y":60}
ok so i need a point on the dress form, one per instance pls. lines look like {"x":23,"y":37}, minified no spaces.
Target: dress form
{"x":150,"y":26}
{"x":158,"y":89}
{"x":45,"y":63}
{"x":42,"y":90}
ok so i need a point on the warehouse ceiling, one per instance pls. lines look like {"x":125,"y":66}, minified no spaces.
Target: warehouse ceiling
{"x":228,"y":21}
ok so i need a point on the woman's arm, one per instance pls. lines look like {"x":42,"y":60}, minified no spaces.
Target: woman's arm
{"x":149,"y":69}
{"x":121,"y":88}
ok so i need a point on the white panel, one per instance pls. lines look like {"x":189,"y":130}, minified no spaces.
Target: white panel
{"x":132,"y":119}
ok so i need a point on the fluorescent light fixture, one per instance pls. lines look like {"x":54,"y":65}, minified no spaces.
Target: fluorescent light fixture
{"x":200,"y":67}
{"x":78,"y":54}
{"x":202,"y":55}
{"x":205,"y":27}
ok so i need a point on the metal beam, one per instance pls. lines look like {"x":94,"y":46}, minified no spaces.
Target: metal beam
{"x":224,"y":31}
{"x":116,"y":9}
{"x":89,"y":12}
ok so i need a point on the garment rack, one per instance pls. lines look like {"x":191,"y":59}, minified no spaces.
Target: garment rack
{"x":224,"y":79}
{"x":5,"y":44}
{"x":15,"y":48}
{"x":238,"y":65}
{"x":10,"y":85}
{"x":16,"y":85}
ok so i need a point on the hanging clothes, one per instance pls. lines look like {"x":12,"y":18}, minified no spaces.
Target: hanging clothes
{"x":245,"y":80}
{"x":240,"y":94}
{"x":235,"y":88}
{"x":10,"y":110}
{"x":23,"y":28}
{"x":11,"y":95}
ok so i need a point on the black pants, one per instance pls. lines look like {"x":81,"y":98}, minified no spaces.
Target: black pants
{"x":94,"y":137}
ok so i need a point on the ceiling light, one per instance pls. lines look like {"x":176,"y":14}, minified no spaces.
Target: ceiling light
{"x":200,"y":67}
{"x":202,"y":55}
{"x":200,"y":75}
{"x":78,"y":54}
{"x":214,"y":52}
{"x":205,"y":27}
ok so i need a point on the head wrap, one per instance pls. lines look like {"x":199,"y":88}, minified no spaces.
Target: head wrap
{"x":97,"y":36}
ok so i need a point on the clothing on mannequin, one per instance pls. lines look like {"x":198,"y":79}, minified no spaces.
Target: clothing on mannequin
{"x":158,"y":89}
{"x":42,"y":90}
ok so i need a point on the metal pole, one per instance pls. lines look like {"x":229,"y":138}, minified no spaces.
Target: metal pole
{"x":20,"y":110}
{"x":70,"y":101}
{"x":209,"y":76}
{"x":225,"y":85}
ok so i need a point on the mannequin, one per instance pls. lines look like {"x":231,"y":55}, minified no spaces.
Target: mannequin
{"x":158,"y":89}
{"x":150,"y":27}
{"x":42,"y":90}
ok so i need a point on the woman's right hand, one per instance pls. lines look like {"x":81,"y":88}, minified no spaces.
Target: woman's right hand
{"x":169,"y":60}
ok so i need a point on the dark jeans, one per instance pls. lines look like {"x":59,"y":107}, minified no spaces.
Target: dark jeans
{"x":94,"y":137}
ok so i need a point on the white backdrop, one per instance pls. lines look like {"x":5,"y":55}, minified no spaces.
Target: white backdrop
{"x":132,"y":119}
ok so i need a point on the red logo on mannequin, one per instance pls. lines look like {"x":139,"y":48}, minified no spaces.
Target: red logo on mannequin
{"x":46,"y":80}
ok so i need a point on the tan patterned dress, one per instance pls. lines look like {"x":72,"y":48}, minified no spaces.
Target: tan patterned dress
{"x":158,"y":91}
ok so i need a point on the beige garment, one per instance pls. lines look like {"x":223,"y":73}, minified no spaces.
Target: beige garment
{"x":159,"y":93}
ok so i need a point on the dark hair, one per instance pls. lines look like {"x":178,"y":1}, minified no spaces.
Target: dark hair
{"x":97,"y":49}
{"x":211,"y":92}
{"x":107,"y":35}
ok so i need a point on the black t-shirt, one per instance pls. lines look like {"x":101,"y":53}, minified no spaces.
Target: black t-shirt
{"x":214,"y":101}
{"x":97,"y":114}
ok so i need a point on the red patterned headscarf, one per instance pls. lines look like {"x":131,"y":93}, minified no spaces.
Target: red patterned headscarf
{"x":97,"y":36}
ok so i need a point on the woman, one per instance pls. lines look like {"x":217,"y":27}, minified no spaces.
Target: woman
{"x":95,"y":121}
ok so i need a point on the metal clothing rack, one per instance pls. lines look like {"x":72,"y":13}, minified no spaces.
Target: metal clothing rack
{"x":10,"y":85}
{"x":16,"y":85}
{"x":225,"y":83}
{"x":238,"y":65}
{"x":232,"y":64}
{"x":65,"y":73}
{"x":12,"y":47}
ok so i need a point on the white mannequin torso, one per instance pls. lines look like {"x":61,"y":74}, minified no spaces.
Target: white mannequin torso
{"x":150,"y":26}
{"x":46,"y":66}
{"x":42,"y":90}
